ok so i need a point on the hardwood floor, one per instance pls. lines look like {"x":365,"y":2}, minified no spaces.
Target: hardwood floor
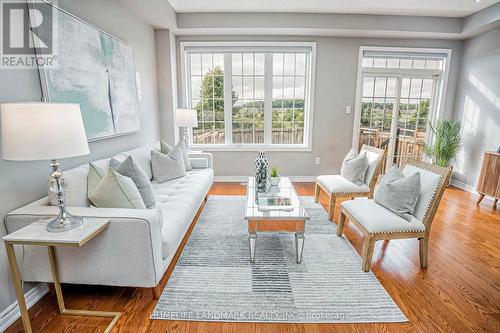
{"x":459,"y":292}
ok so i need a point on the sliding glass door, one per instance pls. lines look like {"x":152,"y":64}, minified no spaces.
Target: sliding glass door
{"x":395,"y":110}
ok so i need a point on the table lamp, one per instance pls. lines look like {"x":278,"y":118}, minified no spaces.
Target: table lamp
{"x":187,"y":119}
{"x":37,"y":131}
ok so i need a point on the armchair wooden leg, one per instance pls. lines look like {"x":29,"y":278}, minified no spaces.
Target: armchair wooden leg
{"x":340,"y":225}
{"x":331,"y":206}
{"x":316,"y":192}
{"x":156,"y":292}
{"x":368,"y":253}
{"x":423,"y":247}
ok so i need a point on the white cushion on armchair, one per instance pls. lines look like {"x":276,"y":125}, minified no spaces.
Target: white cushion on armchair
{"x":376,"y":218}
{"x":338,"y":184}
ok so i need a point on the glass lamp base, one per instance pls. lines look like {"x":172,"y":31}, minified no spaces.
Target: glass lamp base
{"x":64,"y":224}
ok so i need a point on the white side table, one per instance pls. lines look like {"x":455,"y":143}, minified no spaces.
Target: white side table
{"x":37,"y":234}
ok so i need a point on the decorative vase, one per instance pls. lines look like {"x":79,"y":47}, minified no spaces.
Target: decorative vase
{"x":261,"y":172}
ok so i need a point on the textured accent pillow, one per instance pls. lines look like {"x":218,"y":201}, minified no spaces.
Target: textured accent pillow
{"x":130,"y":168}
{"x":185,"y":156}
{"x":354,"y":167}
{"x":399,"y":193}
{"x":165,"y":148}
{"x":114,"y":163}
{"x":95,"y":175}
{"x":116,"y":191}
{"x":167,"y":166}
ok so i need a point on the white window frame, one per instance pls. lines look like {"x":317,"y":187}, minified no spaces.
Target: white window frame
{"x":436,"y":109}
{"x":254,"y":46}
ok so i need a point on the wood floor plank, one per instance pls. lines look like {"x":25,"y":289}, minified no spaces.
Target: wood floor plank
{"x":459,"y":292}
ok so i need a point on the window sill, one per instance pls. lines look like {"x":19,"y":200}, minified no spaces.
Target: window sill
{"x":253,"y":148}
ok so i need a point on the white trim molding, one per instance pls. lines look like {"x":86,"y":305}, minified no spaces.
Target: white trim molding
{"x":12,"y":313}
{"x":463,"y":186}
{"x":243,"y":179}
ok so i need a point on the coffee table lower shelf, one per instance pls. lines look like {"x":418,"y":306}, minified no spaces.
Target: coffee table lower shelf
{"x":275,"y":225}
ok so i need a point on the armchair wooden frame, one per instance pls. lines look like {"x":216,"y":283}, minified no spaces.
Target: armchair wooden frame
{"x":332,"y":197}
{"x":423,"y":237}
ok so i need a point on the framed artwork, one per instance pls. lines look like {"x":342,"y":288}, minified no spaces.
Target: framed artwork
{"x":95,"y":70}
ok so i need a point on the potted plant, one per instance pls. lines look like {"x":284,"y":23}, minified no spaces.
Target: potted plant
{"x":447,"y":142}
{"x":275,"y":177}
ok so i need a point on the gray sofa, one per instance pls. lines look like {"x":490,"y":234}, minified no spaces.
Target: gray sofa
{"x":139,"y":244}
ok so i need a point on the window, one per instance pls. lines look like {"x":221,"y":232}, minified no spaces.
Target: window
{"x":207,"y":96}
{"x":250,"y":95}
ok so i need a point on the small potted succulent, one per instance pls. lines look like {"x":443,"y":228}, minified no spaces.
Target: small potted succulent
{"x":275,"y":177}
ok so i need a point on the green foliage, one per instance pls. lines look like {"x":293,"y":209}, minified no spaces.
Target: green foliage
{"x":274,"y":172}
{"x":212,"y":98}
{"x":447,"y":142}
{"x":381,"y":115}
{"x":248,"y":115}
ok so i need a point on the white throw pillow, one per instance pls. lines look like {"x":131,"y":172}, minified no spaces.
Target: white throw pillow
{"x":354,"y":167}
{"x":94,"y":177}
{"x":116,"y":191}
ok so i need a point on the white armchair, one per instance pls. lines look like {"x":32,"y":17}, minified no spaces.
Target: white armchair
{"x":336,"y":186}
{"x":377,"y":222}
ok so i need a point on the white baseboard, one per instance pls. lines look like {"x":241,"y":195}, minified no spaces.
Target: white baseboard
{"x":243,"y":179}
{"x":12,"y":313}
{"x":463,"y":186}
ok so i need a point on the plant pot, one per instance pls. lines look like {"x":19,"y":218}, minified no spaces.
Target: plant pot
{"x":275,"y":181}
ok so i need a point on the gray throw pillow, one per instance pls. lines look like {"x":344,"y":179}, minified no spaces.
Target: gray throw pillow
{"x":354,"y":167}
{"x":116,"y":191}
{"x":167,"y":166}
{"x":130,"y":168}
{"x":399,"y":193}
{"x":187,"y":163}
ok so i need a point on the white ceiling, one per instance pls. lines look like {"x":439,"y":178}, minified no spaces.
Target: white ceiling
{"x":451,"y":8}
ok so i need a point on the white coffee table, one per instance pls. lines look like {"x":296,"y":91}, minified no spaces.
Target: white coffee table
{"x":275,"y":220}
{"x":37,"y":234}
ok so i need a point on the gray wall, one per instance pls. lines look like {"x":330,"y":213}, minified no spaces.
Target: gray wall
{"x":336,"y":74}
{"x":23,"y":182}
{"x":477,"y":104}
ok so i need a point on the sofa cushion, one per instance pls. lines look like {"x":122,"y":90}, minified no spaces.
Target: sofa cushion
{"x":338,"y":184}
{"x":378,"y":219}
{"x":116,"y":191}
{"x":179,"y":200}
{"x":129,"y":168}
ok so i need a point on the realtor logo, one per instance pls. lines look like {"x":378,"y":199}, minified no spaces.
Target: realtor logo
{"x":27,"y":34}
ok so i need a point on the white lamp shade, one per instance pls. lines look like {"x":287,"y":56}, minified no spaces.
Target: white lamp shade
{"x":42,"y":131}
{"x":185,"y":118}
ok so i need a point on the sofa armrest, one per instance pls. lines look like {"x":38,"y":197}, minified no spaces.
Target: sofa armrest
{"x":207,"y":156}
{"x":128,"y":253}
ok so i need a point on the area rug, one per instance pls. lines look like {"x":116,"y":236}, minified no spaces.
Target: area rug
{"x":215,"y":281}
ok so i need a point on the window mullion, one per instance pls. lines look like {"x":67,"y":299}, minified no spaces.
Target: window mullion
{"x":268,"y":98}
{"x":228,"y":99}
